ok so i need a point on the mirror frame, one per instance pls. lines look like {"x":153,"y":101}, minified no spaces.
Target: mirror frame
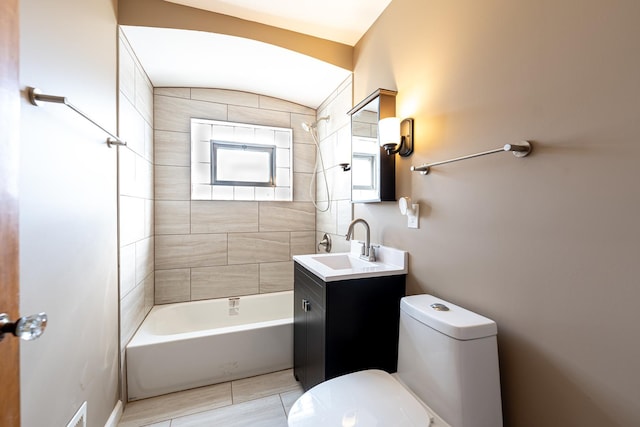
{"x":387,"y":171}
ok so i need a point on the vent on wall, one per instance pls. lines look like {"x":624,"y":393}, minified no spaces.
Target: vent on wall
{"x":80,"y":418}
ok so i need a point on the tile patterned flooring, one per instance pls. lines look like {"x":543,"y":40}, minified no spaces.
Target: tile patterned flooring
{"x":262,"y":401}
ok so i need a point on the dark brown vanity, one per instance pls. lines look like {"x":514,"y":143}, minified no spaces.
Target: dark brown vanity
{"x":344,"y":326}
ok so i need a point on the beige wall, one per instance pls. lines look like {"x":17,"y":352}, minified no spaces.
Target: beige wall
{"x":68,"y":214}
{"x":163,"y":14}
{"x":135,"y":177}
{"x":548,"y":246}
{"x":215,"y":249}
{"x":335,"y":142}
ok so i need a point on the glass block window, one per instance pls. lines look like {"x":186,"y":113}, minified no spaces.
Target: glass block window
{"x":238,"y":161}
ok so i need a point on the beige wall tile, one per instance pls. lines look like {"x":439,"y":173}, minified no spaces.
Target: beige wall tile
{"x":144,"y":96}
{"x":144,"y":258}
{"x":127,"y":171}
{"x":132,"y":219}
{"x":172,"y":217}
{"x":173,"y":286}
{"x":172,"y":183}
{"x":144,"y":178}
{"x":223,"y":96}
{"x":172,"y":148}
{"x":303,"y":242}
{"x":327,"y":221}
{"x":341,"y":184}
{"x":176,"y":92}
{"x":301,"y":183}
{"x":338,"y":242}
{"x":344,"y":215}
{"x":249,"y":248}
{"x":126,"y":71}
{"x":225,"y":281}
{"x":260,"y":232}
{"x":149,"y":220}
{"x":223,"y":217}
{"x":148,"y":142}
{"x":191,"y":250}
{"x":131,"y":126}
{"x":127,"y":269}
{"x":287,"y":216}
{"x":132,"y":314}
{"x":321,"y":187}
{"x":304,"y":157}
{"x":257,"y":116}
{"x":337,"y":109}
{"x":175,"y":114}
{"x":269,"y":103}
{"x":149,"y":292}
{"x":276,"y":276}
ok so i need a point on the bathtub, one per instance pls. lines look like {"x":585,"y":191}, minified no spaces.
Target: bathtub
{"x":186,"y":345}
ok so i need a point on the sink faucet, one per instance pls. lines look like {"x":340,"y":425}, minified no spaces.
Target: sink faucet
{"x":367,"y":252}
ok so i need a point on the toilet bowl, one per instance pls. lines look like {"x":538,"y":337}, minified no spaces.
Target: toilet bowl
{"x":447,"y":376}
{"x":364,"y":398}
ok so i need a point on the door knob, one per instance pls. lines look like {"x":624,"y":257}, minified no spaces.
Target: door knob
{"x":27,"y":328}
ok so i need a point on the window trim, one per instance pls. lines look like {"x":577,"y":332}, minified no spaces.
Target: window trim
{"x":269,"y":149}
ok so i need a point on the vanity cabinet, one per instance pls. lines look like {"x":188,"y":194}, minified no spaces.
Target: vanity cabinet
{"x":344,"y":326}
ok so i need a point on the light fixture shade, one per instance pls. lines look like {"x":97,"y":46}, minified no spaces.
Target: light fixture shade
{"x":389,"y":131}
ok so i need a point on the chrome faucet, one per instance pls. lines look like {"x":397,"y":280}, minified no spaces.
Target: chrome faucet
{"x":367,"y":252}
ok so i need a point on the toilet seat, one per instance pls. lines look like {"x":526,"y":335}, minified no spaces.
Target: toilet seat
{"x":361,"y":399}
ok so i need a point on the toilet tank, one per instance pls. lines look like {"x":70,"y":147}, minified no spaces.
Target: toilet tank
{"x":448,"y":356}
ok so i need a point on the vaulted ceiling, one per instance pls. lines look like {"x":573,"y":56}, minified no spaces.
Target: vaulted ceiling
{"x":179,"y":57}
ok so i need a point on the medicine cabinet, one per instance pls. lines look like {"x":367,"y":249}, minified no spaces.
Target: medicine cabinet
{"x":373,"y":172}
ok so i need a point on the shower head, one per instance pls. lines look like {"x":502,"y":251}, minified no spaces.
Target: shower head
{"x":309,"y":126}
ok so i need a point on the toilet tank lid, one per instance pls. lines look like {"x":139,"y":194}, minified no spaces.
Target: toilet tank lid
{"x":455,"y":322}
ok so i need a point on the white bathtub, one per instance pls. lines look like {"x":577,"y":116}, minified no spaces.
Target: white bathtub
{"x":186,"y":345}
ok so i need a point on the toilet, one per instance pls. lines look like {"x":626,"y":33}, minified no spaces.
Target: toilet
{"x":448,"y":376}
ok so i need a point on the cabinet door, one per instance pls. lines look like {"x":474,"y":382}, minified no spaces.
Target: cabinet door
{"x":299,"y":332}
{"x":315,"y":345}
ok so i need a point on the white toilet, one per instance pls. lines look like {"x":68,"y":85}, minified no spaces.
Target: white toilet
{"x":448,"y":376}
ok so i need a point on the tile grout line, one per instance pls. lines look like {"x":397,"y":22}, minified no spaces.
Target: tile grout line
{"x":283,"y":407}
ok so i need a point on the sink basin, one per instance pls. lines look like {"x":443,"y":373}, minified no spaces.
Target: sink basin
{"x":348,"y":265}
{"x":342,"y":261}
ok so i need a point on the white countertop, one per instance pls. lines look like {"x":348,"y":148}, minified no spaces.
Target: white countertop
{"x":332,"y":267}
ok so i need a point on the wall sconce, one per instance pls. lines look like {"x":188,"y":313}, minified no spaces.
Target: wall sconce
{"x":396,"y":136}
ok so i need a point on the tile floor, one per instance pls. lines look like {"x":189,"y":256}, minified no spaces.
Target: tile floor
{"x":262,"y":401}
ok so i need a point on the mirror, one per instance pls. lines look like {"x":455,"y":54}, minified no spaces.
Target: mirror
{"x":373,"y":172}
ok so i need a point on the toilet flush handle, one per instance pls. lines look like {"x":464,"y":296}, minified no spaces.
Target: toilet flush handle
{"x":439,"y":307}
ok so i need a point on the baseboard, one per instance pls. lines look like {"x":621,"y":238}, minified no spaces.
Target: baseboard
{"x":115,"y":416}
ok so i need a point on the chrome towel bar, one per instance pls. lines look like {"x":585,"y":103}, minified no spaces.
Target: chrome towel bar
{"x":519,"y":150}
{"x":37,"y":98}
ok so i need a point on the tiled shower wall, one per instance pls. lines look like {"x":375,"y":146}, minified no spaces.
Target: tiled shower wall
{"x":215,"y":249}
{"x":135,"y":182}
{"x":335,"y":142}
